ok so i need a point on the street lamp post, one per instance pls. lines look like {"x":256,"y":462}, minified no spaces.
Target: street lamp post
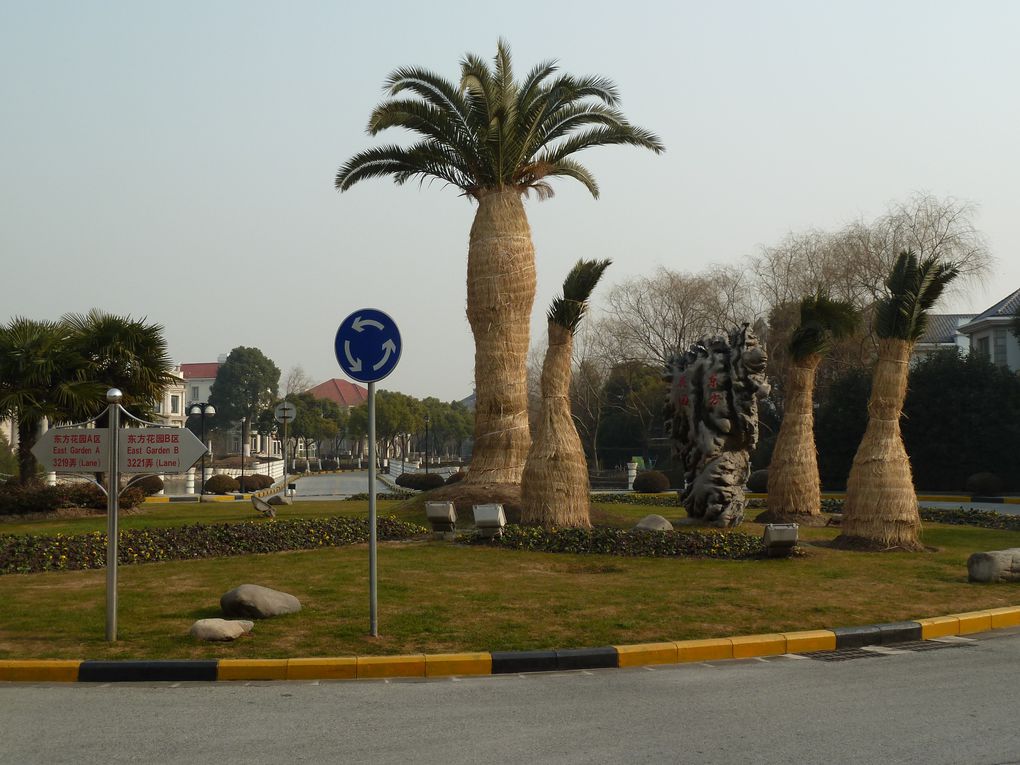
{"x":244,"y":421}
{"x":426,"y":444}
{"x":202,"y":410}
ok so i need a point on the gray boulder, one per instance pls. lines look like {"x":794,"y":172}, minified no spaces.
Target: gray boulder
{"x":994,"y":566}
{"x":252,"y":601}
{"x":279,"y":499}
{"x":220,"y":629}
{"x":653,"y":523}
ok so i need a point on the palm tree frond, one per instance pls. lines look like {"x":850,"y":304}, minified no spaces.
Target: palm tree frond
{"x":822,"y":320}
{"x":913,"y":286}
{"x":568,"y":310}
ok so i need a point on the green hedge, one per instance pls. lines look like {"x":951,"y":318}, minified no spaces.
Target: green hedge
{"x":727,"y":545}
{"x":37,"y":498}
{"x":26,"y":554}
{"x":669,"y":499}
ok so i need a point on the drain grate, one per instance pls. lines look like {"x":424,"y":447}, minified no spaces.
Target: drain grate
{"x":844,"y":654}
{"x":927,"y":645}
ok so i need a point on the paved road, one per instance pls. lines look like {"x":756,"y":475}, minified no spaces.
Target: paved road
{"x":949,"y":706}
{"x":335,"y":485}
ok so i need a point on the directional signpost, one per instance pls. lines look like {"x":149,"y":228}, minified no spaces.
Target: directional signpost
{"x":116,"y":450}
{"x":285,"y":413}
{"x":367,"y":349}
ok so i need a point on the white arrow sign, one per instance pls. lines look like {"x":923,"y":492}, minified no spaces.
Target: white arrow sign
{"x":158,"y":450}
{"x":73,"y":450}
{"x":359,"y":324}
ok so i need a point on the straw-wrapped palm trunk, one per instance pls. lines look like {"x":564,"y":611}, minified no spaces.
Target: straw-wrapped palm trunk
{"x":881,"y":510}
{"x":794,"y":488}
{"x":555,"y":489}
{"x":496,"y":139}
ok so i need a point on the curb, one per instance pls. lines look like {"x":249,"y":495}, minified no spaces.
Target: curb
{"x":508,"y":662}
{"x":962,"y":498}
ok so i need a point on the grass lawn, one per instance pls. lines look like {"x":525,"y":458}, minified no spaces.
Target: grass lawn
{"x":436,"y":597}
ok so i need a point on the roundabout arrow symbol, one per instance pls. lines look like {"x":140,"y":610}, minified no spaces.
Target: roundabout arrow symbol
{"x":389,"y":347}
{"x":359,"y":324}
{"x":355,"y":364}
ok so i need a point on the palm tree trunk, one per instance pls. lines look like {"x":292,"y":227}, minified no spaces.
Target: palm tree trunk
{"x":793,"y":489}
{"x":28,"y":432}
{"x":554,"y":487}
{"x":500,"y":295}
{"x":881,"y":504}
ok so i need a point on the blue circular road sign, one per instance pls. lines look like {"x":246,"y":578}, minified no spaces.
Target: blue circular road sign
{"x":367,"y":345}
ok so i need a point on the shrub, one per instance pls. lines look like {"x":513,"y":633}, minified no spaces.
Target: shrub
{"x":150,"y":484}
{"x":454,"y":477}
{"x":984,"y":484}
{"x":221,"y":484}
{"x":420,"y":481}
{"x":330,"y":464}
{"x":29,"y":554}
{"x":729,"y":545}
{"x":758,"y":481}
{"x":623,"y":498}
{"x":38,"y":498}
{"x":651,"y":482}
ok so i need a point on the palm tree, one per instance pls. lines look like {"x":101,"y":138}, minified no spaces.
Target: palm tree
{"x":881,"y":504}
{"x":554,"y":486}
{"x":42,"y":376}
{"x":496,"y":139}
{"x":794,"y":492}
{"x":125,"y":353}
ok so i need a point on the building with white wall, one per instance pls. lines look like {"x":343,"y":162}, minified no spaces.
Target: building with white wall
{"x":991,"y":332}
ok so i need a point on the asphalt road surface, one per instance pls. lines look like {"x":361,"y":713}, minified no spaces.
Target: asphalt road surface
{"x":335,"y":485}
{"x":957,"y":704}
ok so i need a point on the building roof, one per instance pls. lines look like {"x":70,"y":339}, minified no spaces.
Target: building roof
{"x":942,"y":328}
{"x":206,"y":370}
{"x":1004,"y":310}
{"x":340,"y":391}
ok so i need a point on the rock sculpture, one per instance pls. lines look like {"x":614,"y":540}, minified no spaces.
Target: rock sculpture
{"x":712,"y":409}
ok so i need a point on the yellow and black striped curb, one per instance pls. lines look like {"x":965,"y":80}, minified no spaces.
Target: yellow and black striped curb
{"x":509,"y":662}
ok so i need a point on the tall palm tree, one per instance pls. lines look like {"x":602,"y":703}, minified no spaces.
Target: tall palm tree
{"x":125,"y":353}
{"x":496,"y":139}
{"x":554,"y":486}
{"x":42,"y":376}
{"x":794,"y":492}
{"x":881,"y":504}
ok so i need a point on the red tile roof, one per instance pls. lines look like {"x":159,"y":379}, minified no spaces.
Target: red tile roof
{"x":341,"y":391}
{"x":204,"y":370}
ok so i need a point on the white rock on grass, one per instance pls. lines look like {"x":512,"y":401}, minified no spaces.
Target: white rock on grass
{"x":994,"y":566}
{"x":220,"y":629}
{"x":653,"y":523}
{"x":252,"y":601}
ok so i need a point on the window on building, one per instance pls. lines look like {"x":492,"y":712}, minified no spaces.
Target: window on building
{"x":159,"y":407}
{"x":999,"y":347}
{"x":984,"y":346}
{"x":175,"y":405}
{"x":194,"y":393}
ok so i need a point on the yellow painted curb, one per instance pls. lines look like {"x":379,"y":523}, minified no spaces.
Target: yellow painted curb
{"x":391,"y":666}
{"x":1005,"y":617}
{"x":939,"y":626}
{"x":810,"y":640}
{"x":1011,"y":500}
{"x":644,"y":654}
{"x":343,"y":668}
{"x":747,"y":646}
{"x":446,"y":664}
{"x":705,"y":650}
{"x":40,"y":670}
{"x":974,"y":621}
{"x":942,"y":498}
{"x":252,"y":669}
{"x":155,"y":500}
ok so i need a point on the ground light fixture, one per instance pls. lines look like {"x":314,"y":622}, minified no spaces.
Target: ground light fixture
{"x":202,"y":409}
{"x":443,"y":519}
{"x":779,"y":539}
{"x":489,"y":520}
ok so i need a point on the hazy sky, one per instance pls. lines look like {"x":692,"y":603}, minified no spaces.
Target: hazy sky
{"x":175,"y":160}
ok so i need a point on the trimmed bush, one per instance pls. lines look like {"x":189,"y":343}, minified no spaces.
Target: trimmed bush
{"x":651,"y":482}
{"x":758,"y":481}
{"x":221,"y":484}
{"x":254,"y":482}
{"x":29,"y":554}
{"x":653,"y":500}
{"x":985,"y":484}
{"x":420,"y":481}
{"x":150,"y":484}
{"x":727,"y":545}
{"x":454,"y":477}
{"x":38,"y":498}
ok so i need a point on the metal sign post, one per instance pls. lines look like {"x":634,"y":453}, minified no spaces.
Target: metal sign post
{"x":114,"y":450}
{"x":114,"y":397}
{"x":367,"y":348}
{"x":284,"y":413}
